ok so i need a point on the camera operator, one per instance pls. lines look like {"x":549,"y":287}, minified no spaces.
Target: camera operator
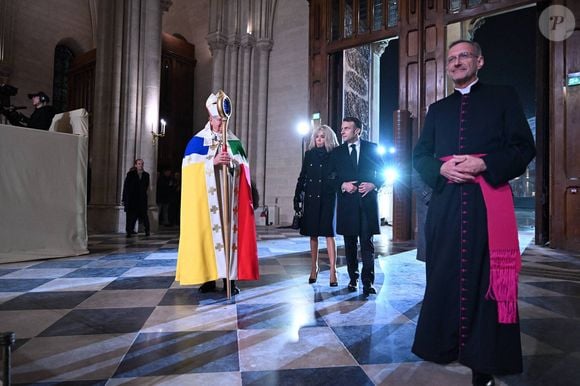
{"x":42,"y":116}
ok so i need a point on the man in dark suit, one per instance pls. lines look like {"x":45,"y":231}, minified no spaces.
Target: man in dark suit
{"x":358,"y":173}
{"x":135,"y":200}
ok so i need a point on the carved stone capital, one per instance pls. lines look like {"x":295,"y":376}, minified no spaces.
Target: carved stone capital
{"x":264,"y":45}
{"x":378,"y":48}
{"x":247,"y":40}
{"x":216,"y":41}
{"x":234,"y":40}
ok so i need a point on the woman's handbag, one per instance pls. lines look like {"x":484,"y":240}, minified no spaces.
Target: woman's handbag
{"x":296,"y":220}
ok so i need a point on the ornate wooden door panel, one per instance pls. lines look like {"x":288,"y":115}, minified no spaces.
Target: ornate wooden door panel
{"x":565,"y":139}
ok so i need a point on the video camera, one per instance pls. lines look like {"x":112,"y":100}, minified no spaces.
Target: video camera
{"x":6,"y":108}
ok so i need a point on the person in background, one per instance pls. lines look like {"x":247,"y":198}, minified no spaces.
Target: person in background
{"x":472,"y":144}
{"x":41,"y":117}
{"x":135,"y":189}
{"x":316,"y":196}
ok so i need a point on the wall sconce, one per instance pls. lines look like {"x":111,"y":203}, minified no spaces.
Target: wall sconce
{"x":161,"y":132}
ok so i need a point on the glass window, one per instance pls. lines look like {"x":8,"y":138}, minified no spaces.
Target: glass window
{"x":378,"y":15}
{"x":393,"y":15}
{"x":363,"y":16}
{"x":454,"y":5}
{"x":348,"y":18}
{"x":335,"y":22}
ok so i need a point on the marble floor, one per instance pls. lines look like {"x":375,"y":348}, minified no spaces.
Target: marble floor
{"x":116,"y":317}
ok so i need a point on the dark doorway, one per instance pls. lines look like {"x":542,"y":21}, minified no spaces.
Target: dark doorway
{"x":508,"y":42}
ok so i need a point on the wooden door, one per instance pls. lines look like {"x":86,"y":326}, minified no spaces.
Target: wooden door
{"x":176,"y":101}
{"x":565,"y":139}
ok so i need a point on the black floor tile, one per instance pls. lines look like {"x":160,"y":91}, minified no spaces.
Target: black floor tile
{"x":63,"y":263}
{"x":180,"y":353}
{"x":563,"y":334}
{"x":97,"y":272}
{"x":157,"y":263}
{"x":547,"y":370}
{"x":143,"y":282}
{"x":21,"y":285}
{"x":100,"y":321}
{"x":377,"y":344}
{"x":191,"y":296}
{"x":568,"y":306}
{"x":563,"y":287}
{"x":126,"y":256}
{"x":47,"y":300}
{"x":335,"y":376}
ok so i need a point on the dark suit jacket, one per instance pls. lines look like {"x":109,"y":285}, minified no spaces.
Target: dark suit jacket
{"x":135,"y":191}
{"x":350,"y":206}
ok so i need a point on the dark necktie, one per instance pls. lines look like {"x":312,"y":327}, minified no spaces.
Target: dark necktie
{"x":353,"y":155}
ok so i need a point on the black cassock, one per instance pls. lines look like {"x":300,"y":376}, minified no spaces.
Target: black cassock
{"x":456,"y":321}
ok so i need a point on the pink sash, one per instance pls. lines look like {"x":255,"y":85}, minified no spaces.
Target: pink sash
{"x":504,"y":252}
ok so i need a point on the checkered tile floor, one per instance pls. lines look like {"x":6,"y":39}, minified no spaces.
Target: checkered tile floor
{"x":116,"y":317}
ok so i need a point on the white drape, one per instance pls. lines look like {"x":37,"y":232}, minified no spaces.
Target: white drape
{"x":43,"y":194}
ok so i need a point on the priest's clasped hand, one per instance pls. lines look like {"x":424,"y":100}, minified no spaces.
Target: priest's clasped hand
{"x":462,"y":168}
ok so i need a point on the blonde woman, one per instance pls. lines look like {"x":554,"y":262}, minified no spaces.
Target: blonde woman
{"x":317,"y":193}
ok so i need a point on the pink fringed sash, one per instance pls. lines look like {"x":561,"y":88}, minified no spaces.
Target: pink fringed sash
{"x":504,"y":252}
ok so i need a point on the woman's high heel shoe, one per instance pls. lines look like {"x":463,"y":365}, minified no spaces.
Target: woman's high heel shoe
{"x":333,"y":283}
{"x":312,"y":280}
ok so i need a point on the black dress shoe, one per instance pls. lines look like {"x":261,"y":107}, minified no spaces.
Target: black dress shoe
{"x":235,"y":290}
{"x":369,"y":289}
{"x":208,"y":286}
{"x":481,"y":379}
{"x":353,"y":285}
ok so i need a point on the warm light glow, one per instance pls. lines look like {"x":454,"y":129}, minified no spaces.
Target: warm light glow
{"x":162,"y":129}
{"x":303,"y":128}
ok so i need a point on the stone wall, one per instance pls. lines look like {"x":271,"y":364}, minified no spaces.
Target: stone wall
{"x":287,"y":104}
{"x":38,"y":27}
{"x":190,"y":20}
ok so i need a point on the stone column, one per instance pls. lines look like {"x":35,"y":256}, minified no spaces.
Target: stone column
{"x":127,"y":76}
{"x":244,"y":94}
{"x":217,"y":45}
{"x":231,"y":77}
{"x":263,"y":48}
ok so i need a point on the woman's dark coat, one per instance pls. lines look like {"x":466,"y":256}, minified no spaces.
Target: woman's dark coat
{"x":318,"y":193}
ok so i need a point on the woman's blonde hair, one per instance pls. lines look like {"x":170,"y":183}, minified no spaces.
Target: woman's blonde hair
{"x":330,"y":140}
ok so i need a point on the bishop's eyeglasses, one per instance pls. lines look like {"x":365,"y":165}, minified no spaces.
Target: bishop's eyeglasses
{"x":461,"y":56}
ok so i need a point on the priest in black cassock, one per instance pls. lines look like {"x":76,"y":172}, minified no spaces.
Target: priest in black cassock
{"x":472,"y":144}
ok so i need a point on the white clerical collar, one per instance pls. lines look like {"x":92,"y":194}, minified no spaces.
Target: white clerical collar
{"x":467,"y":89}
